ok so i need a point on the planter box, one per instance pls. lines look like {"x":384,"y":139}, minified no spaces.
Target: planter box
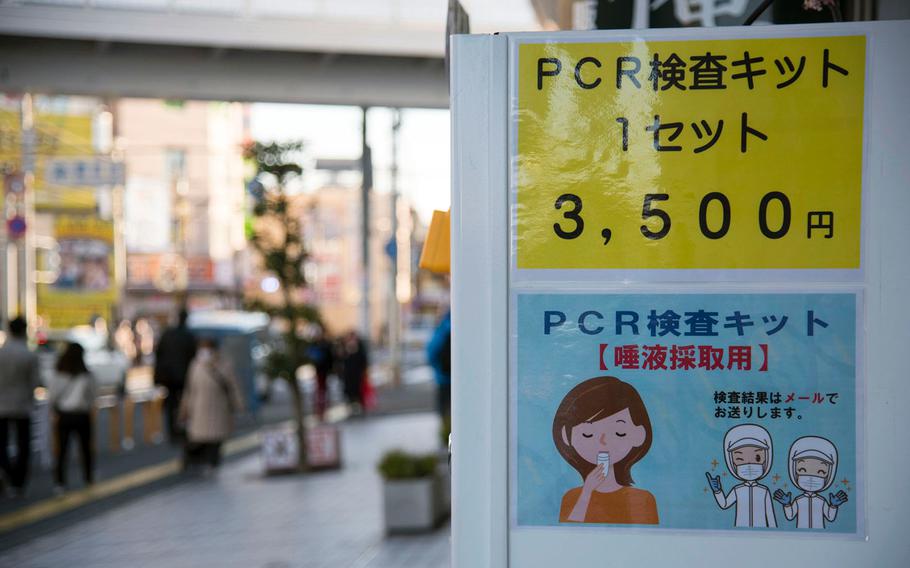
{"x":412,"y":505}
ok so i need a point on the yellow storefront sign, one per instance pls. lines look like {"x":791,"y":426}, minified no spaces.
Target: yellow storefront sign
{"x":10,"y":140}
{"x":722,"y":154}
{"x":85,"y":285}
{"x":56,"y":136}
{"x":62,"y":135}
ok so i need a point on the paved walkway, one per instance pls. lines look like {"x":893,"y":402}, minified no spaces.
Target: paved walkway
{"x":239,"y":518}
{"x":111,"y":466}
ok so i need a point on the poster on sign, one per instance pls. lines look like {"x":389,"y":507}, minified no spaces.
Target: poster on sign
{"x":677,"y":302}
{"x":719,"y":411}
{"x":638,"y":163}
{"x":731,"y":154}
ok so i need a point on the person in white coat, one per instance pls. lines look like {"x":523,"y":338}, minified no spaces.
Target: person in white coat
{"x":812,"y":466}
{"x":211,"y":399}
{"x":748,"y":453}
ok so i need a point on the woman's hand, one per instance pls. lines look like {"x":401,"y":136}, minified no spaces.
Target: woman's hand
{"x":594,"y":479}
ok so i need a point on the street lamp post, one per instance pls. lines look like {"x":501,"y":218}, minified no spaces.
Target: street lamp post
{"x":394,"y":305}
{"x":366,"y":166}
{"x":25,"y":207}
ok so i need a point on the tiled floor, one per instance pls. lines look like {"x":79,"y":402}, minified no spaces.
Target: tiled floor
{"x":239,"y":518}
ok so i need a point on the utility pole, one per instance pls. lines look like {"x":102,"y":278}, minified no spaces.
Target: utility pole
{"x":366,"y":168}
{"x":26,"y":293}
{"x":394,"y":306}
{"x":4,"y":272}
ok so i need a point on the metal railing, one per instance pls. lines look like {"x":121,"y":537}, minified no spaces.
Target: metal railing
{"x":121,"y":424}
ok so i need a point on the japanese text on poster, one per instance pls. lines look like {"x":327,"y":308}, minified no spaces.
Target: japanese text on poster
{"x":692,"y":411}
{"x":715,"y":154}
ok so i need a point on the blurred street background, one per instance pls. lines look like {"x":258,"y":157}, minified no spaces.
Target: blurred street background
{"x":138,"y":144}
{"x":272,"y":168}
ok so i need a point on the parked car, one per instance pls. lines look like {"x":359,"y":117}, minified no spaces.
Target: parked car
{"x":108,"y":364}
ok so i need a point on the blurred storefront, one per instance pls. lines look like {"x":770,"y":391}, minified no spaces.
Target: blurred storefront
{"x":62,"y":266}
{"x":136,"y":207}
{"x":157,"y":284}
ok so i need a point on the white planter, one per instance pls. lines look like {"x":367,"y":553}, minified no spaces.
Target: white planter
{"x":411,"y":505}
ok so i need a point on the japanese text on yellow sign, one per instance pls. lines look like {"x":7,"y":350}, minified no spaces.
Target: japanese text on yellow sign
{"x":718,"y":154}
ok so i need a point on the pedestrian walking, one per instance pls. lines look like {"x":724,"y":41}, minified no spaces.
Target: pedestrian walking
{"x":72,"y":396}
{"x":439,"y":355}
{"x":354,"y":365}
{"x":210,"y":401}
{"x":323,"y":358}
{"x":175,"y":351}
{"x":19,"y":375}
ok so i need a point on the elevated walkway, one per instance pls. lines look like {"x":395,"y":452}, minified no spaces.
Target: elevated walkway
{"x":378,"y":53}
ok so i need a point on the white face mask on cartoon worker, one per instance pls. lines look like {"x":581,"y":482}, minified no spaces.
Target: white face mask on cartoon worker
{"x":750,"y":471}
{"x":810,"y":483}
{"x":813,"y":463}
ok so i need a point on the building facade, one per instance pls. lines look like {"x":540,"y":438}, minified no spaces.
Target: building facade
{"x":183,"y":205}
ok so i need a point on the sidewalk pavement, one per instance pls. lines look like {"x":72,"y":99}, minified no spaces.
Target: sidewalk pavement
{"x":240,"y":518}
{"x":414,"y":396}
{"x":112,"y":465}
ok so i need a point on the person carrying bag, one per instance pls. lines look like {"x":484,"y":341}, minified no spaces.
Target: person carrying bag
{"x":72,"y":396}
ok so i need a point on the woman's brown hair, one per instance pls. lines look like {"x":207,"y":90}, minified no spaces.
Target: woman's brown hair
{"x":594,"y":400}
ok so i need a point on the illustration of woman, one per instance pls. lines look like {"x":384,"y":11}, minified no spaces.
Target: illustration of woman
{"x":602,"y":429}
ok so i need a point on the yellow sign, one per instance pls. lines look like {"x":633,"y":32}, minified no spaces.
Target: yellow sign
{"x":437,"y":252}
{"x":62,"y":135}
{"x":56,"y":136}
{"x":85,"y":285}
{"x":718,"y":154}
{"x":10,"y":140}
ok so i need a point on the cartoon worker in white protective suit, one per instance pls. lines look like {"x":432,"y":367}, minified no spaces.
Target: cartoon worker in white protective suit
{"x":812,"y":465}
{"x":748,"y":453}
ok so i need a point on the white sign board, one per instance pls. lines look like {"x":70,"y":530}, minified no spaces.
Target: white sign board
{"x":710,"y":265}
{"x":280,"y":450}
